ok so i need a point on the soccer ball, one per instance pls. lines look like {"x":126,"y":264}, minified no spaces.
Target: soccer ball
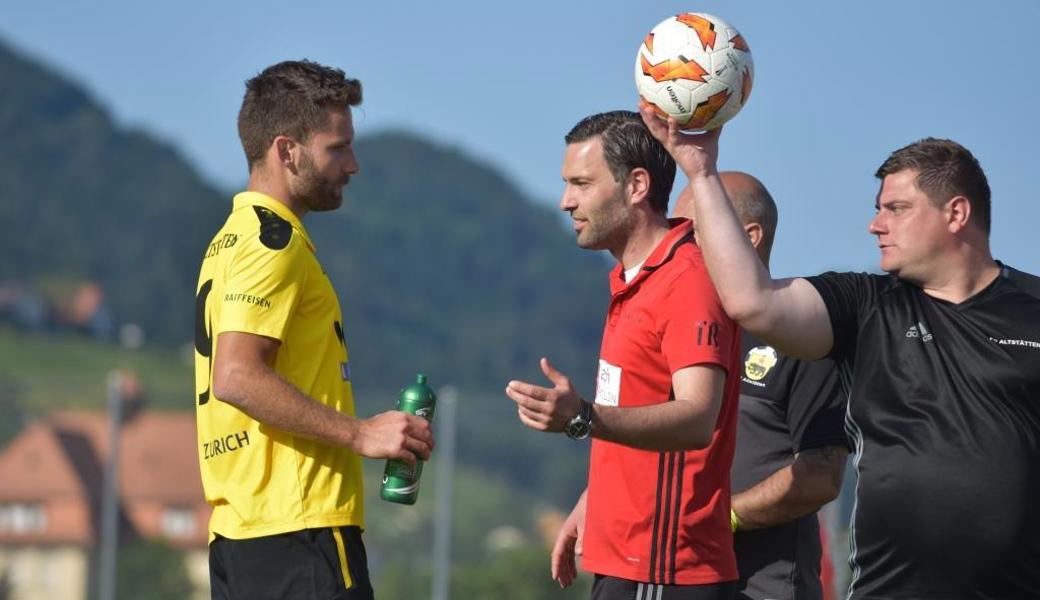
{"x":696,"y":68}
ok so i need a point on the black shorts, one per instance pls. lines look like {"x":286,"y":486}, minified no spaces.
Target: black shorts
{"x":605,"y":587}
{"x":319,"y":564}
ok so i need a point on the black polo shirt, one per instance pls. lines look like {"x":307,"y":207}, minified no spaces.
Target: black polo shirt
{"x":786,"y":406}
{"x":945,"y":416}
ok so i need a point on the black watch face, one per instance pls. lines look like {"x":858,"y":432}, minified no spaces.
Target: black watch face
{"x":578,"y":429}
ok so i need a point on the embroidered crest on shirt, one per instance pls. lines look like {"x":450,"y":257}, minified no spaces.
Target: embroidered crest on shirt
{"x":759,"y":361}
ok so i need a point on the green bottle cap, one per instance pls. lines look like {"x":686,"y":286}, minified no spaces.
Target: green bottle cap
{"x":415,"y":395}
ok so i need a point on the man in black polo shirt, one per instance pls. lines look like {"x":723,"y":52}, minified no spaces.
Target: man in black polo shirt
{"x":942,"y":360}
{"x":791,"y":442}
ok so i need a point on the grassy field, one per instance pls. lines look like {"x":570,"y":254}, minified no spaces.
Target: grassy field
{"x":43,"y":372}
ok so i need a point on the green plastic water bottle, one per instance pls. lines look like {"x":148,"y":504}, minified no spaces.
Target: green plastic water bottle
{"x":401,"y":480}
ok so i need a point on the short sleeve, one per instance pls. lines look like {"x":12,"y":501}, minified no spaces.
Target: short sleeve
{"x":261,"y":288}
{"x":816,"y":406}
{"x":847,"y":296}
{"x":1029,"y":284}
{"x":694,"y":327}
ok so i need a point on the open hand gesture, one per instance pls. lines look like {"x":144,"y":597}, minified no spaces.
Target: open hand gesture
{"x":544,"y":408}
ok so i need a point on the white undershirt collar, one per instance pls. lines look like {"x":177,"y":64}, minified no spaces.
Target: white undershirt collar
{"x":630,"y":274}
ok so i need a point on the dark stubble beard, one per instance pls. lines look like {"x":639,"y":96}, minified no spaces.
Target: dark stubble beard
{"x":608,"y":233}
{"x":314,"y":191}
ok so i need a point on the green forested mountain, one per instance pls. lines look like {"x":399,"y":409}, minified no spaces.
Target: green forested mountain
{"x":442,"y":264}
{"x":80,"y":198}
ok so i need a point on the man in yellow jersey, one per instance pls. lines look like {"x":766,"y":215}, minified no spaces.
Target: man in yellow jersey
{"x":279,"y":445}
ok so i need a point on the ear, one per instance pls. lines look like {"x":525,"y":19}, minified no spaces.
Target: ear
{"x":638,"y":185}
{"x":285,"y":150}
{"x":958,"y":213}
{"x":754,"y":233}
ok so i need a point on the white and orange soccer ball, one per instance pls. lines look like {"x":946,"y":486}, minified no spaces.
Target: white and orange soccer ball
{"x":696,"y":68}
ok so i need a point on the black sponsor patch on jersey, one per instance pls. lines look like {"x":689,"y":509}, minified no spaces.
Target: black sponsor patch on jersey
{"x":275,"y":232}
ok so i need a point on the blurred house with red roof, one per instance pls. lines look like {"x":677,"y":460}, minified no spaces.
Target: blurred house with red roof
{"x":51,"y":478}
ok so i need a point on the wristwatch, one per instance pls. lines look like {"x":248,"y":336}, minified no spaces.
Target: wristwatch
{"x":580,"y":426}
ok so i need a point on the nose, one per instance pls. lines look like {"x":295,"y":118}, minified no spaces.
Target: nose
{"x":351,"y":165}
{"x":876,"y":225}
{"x":567,"y":201}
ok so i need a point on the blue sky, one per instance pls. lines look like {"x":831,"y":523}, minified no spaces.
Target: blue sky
{"x":838,"y":86}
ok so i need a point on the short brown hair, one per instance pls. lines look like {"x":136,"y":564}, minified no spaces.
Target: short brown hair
{"x":944,"y":169}
{"x":291,"y":98}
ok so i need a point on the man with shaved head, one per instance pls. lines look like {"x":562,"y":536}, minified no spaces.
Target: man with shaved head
{"x":791,"y":443}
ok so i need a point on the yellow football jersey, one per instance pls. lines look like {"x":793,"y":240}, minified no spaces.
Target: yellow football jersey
{"x":260,"y":275}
